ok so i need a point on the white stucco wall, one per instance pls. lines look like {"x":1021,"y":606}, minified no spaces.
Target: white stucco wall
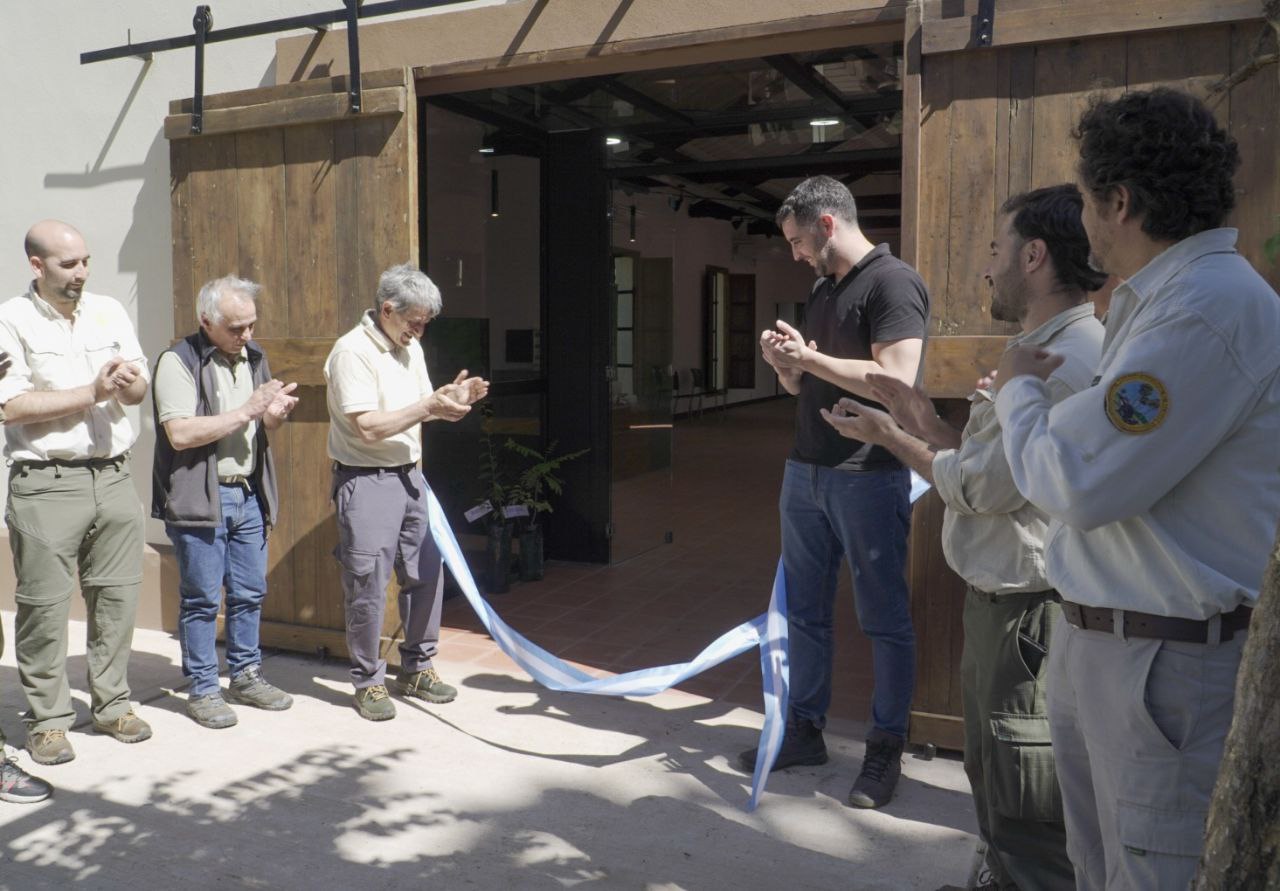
{"x":84,"y":143}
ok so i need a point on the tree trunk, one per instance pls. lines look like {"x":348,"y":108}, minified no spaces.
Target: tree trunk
{"x":1242,"y":843}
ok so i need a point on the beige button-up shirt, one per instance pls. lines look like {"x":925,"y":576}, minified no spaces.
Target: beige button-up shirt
{"x":365,"y":371}
{"x":51,"y":353}
{"x":991,"y":535}
{"x":1163,"y":479}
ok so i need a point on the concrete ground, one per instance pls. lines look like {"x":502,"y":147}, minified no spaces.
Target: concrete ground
{"x":511,"y":786}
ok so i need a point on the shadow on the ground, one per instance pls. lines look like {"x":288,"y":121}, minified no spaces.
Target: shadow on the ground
{"x":266,"y":831}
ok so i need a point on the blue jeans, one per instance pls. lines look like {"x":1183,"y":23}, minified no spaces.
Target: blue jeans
{"x":233,"y":555}
{"x":864,"y":516}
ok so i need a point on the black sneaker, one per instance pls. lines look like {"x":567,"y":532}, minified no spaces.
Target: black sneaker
{"x":802,"y":744}
{"x":880,"y":770}
{"x":19,"y":787}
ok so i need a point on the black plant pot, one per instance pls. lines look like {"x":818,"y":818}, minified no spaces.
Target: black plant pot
{"x":531,"y":563}
{"x":497,"y":559}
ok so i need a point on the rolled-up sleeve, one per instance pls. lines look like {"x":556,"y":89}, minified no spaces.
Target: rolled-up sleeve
{"x":975,"y":478}
{"x":18,"y":379}
{"x":1078,"y":465}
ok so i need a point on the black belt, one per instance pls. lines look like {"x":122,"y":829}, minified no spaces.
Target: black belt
{"x":96,"y":463}
{"x":1136,"y":624}
{"x":395,"y":468}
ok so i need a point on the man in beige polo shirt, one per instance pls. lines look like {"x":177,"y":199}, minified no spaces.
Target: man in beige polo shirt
{"x":214,"y":485}
{"x":72,"y":505}
{"x":379,"y":396}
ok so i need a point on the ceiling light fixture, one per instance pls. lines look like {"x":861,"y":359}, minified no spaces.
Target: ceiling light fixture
{"x":613,"y":140}
{"x":824,"y":122}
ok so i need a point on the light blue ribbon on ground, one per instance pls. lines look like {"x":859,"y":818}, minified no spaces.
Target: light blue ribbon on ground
{"x":767,"y":632}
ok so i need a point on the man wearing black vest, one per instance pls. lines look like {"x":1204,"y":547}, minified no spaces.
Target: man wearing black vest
{"x":214,"y":486}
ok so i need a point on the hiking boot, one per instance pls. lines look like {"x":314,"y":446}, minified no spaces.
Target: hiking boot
{"x":880,"y":770}
{"x":802,"y":744}
{"x":210,"y":711}
{"x":19,"y":787}
{"x":374,"y":704}
{"x":249,"y":687}
{"x":50,"y":747}
{"x":426,"y":685}
{"x":128,"y":728}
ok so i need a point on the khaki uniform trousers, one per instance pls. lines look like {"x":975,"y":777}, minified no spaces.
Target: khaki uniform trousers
{"x":1007,"y":754}
{"x":69,"y":520}
{"x":1138,"y":728}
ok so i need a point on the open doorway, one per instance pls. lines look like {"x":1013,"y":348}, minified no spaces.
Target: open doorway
{"x":673,"y":177}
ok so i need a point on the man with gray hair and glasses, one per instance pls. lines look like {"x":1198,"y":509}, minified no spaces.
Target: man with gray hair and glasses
{"x":379,"y":396}
{"x":214,"y":485}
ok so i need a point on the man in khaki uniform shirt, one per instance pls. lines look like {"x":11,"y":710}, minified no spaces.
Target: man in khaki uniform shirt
{"x":379,"y":397}
{"x":72,"y":505}
{"x":994,"y":538}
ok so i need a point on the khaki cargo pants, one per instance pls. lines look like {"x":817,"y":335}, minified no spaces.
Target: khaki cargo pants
{"x":69,"y":520}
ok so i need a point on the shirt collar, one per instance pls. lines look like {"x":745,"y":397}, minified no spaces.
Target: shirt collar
{"x":880,"y":250}
{"x":1156,"y":274}
{"x":369,"y":323}
{"x":47,"y":309}
{"x":1054,"y":326}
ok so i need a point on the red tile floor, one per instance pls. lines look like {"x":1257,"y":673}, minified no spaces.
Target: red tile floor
{"x":667,"y":603}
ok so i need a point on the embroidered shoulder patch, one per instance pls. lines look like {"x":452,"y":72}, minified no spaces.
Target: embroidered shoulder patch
{"x":1137,"y":403}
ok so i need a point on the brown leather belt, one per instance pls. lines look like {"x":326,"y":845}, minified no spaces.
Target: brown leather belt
{"x":1136,"y":624}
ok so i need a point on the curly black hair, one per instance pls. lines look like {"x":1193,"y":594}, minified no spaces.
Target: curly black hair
{"x":1165,"y":147}
{"x":1052,"y":214}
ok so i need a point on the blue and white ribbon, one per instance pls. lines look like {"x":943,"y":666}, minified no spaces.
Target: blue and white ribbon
{"x":768,"y":632}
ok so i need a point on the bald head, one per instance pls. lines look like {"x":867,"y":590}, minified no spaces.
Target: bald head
{"x":59,"y":260}
{"x":47,"y":236}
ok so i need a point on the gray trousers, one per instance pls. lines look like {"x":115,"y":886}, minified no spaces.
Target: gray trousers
{"x":1138,"y":730}
{"x":383,"y":527}
{"x":1007,"y":754}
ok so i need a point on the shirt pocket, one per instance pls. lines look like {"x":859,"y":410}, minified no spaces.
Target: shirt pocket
{"x":57,"y":363}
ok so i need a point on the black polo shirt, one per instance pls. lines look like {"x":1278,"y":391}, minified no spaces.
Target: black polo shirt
{"x":880,"y":300}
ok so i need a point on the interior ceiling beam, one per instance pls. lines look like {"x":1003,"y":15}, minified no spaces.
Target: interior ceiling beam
{"x":487,"y":114}
{"x":644,"y":102}
{"x":718,"y":125}
{"x":544,"y":104}
{"x":806,"y":78}
{"x":783,"y":165}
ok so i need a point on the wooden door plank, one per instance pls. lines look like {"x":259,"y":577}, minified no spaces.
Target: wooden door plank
{"x":934,"y":203}
{"x":1191,"y":61}
{"x":183,"y":247}
{"x":287,"y":113}
{"x":1036,"y":21}
{"x":953,"y":364}
{"x":1251,"y":110}
{"x":972,"y":201}
{"x":1066,"y":75}
{"x":261,"y":225}
{"x":213,"y":218}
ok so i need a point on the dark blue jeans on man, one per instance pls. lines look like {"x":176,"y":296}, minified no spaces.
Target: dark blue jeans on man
{"x":864,"y":516}
{"x":231,"y":555}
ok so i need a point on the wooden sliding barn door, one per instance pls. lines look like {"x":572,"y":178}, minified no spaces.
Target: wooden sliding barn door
{"x":285,"y":186}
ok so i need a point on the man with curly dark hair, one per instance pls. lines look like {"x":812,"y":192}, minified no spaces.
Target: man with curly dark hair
{"x":1160,"y":482}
